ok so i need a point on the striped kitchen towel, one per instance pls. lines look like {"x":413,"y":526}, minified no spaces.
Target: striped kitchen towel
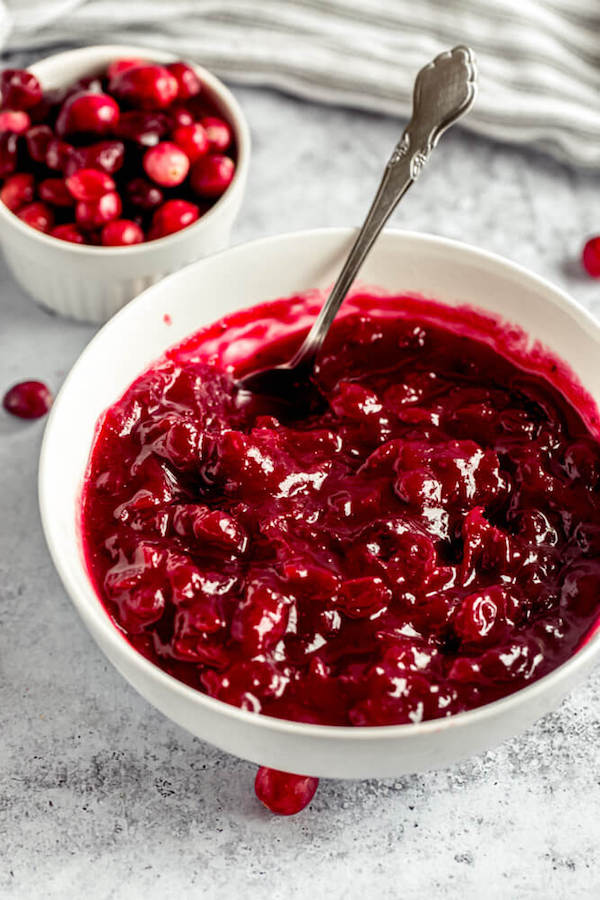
{"x":539,"y":60}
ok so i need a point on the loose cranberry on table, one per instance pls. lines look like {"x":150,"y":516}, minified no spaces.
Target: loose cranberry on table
{"x":107,"y":147}
{"x":28,"y":400}
{"x":591,"y":257}
{"x":282,"y":792}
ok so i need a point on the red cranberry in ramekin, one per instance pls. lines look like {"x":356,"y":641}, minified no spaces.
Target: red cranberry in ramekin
{"x":122,"y":165}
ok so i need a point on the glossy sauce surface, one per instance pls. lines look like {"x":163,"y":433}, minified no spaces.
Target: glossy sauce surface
{"x":427,"y":541}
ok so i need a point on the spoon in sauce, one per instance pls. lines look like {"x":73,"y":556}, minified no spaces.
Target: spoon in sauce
{"x":444,"y":90}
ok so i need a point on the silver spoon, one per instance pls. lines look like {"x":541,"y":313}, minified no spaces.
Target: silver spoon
{"x":444,"y":90}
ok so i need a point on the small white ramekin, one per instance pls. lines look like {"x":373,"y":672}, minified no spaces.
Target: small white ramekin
{"x":400,"y":262}
{"x":92,"y":283}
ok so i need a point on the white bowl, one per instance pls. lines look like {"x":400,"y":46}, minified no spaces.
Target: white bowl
{"x":243,"y":276}
{"x":92,"y":283}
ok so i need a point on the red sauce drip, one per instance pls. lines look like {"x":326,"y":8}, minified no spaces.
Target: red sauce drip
{"x":427,"y":543}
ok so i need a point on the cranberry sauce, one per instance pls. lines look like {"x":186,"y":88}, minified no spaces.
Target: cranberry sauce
{"x":427,"y":542}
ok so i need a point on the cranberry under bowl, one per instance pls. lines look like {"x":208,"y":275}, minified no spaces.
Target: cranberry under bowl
{"x":118,"y":165}
{"x":401,"y":575}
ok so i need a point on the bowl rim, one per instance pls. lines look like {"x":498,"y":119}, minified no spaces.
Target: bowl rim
{"x":217,"y":89}
{"x":117,"y":640}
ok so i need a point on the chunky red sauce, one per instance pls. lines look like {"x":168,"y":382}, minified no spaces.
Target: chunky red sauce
{"x":427,"y":543}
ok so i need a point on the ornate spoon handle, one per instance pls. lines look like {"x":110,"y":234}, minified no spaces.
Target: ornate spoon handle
{"x":444,"y":90}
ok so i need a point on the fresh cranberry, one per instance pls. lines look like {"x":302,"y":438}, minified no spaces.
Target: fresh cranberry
{"x":143,"y":194}
{"x":69,"y":233}
{"x":28,"y":400}
{"x":9,"y":146}
{"x":121,"y":65}
{"x":218,"y":132}
{"x":144,"y":128}
{"x":192,"y":139}
{"x":173,"y":216}
{"x":54,"y":191}
{"x":37,"y":140}
{"x":107,"y":156}
{"x":283,"y":793}
{"x":88,"y":113}
{"x":89,"y":184}
{"x":14,"y":120}
{"x":212,"y":175}
{"x":37,"y":215}
{"x":58,"y":154}
{"x":121,"y":232}
{"x":166,"y":164}
{"x":145,"y":87}
{"x":96,"y":213}
{"x":591,"y":257}
{"x":19,"y":88}
{"x":180,"y":116}
{"x":18,"y":190}
{"x":188,"y":83}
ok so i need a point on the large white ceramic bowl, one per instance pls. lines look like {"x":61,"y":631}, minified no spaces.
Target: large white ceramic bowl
{"x":92,"y":283}
{"x":243,"y":276}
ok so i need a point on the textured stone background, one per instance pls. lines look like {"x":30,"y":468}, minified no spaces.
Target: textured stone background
{"x":101,"y":797}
